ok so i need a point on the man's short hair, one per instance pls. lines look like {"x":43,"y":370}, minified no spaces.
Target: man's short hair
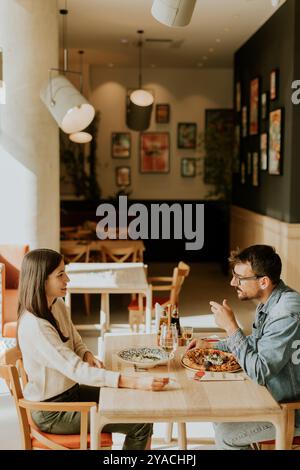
{"x":263,"y":259}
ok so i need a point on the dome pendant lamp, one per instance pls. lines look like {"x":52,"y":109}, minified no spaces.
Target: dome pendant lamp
{"x":173,"y":12}
{"x":68,"y":106}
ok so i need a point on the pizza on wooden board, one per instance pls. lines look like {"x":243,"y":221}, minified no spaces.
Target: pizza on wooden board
{"x":211,"y":360}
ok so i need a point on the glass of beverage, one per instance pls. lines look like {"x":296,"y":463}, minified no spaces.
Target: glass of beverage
{"x":187,"y":334}
{"x":169,"y":341}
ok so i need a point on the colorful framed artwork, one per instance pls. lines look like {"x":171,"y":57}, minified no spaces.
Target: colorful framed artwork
{"x":249,"y":163}
{"x":238,"y":97}
{"x":162,"y":113}
{"x":243,"y":173}
{"x":244,"y":121}
{"x":188,"y":167}
{"x":275,"y":142}
{"x":264,"y":151}
{"x":123,"y":176}
{"x":255,"y":169}
{"x":120,"y":144}
{"x":254,"y":106}
{"x":187,"y":135}
{"x":264,"y":106}
{"x":274,"y":84}
{"x":155,"y":152}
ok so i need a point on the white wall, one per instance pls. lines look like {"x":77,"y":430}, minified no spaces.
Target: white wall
{"x":189,"y":93}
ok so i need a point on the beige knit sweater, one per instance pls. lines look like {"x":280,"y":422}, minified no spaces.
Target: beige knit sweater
{"x":51,"y":365}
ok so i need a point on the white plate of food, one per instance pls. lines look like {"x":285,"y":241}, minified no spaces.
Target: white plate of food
{"x":144,"y":357}
{"x":212,"y":360}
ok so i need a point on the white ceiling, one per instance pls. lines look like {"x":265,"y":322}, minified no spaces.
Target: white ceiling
{"x":217,"y":29}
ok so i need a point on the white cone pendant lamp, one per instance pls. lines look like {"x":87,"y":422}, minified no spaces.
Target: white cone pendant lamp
{"x":70,"y":109}
{"x":173,"y":12}
{"x":141,"y":101}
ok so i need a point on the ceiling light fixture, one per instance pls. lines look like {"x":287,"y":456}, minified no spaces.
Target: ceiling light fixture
{"x":68,"y":106}
{"x":173,"y":12}
{"x":140,"y":102}
{"x":275,"y":3}
{"x":81,"y":137}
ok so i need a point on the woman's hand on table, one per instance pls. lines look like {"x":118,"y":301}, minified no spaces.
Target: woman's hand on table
{"x":92,"y":360}
{"x":143,"y":383}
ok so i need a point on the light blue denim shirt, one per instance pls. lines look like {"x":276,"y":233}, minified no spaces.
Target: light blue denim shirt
{"x":269,"y":355}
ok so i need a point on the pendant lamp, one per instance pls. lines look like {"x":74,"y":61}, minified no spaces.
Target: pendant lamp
{"x":68,"y":106}
{"x":140,"y":102}
{"x":81,"y":137}
{"x":173,"y":12}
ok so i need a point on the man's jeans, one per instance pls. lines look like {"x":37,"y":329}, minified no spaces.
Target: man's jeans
{"x":68,"y":422}
{"x":240,"y":436}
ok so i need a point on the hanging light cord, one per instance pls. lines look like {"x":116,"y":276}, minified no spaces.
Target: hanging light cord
{"x":140,"y":45}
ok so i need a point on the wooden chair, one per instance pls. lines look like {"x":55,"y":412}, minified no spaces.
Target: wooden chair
{"x":75,"y":252}
{"x":293,"y":442}
{"x":119,"y":254}
{"x":11,"y":256}
{"x":172,"y":285}
{"x":32,"y":437}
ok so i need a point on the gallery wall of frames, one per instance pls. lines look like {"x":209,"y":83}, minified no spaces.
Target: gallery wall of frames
{"x":165,"y":161}
{"x":266,"y":152}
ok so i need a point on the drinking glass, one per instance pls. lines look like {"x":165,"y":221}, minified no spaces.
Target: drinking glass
{"x":187,"y":333}
{"x":169,"y":341}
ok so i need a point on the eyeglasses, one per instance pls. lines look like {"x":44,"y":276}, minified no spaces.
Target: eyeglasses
{"x":240,"y":278}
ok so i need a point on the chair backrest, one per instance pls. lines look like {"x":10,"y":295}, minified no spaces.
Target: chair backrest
{"x":119,"y":254}
{"x":180,"y":273}
{"x":11,"y":256}
{"x":9,"y":372}
{"x":74,"y":252}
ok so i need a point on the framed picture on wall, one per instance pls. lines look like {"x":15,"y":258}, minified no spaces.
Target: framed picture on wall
{"x":244,"y":121}
{"x":274,"y":84}
{"x":264,"y":106}
{"x":187,"y":135}
{"x":188,"y":167}
{"x":254,"y":106}
{"x":275,"y":142}
{"x":120,"y":144}
{"x":236,"y":148}
{"x":123,"y":176}
{"x":155,"y":152}
{"x":243,"y":173}
{"x":162,"y":113}
{"x":238,"y":97}
{"x":255,"y":169}
{"x":264,"y":151}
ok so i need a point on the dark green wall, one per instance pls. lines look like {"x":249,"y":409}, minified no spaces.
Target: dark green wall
{"x":275,"y":45}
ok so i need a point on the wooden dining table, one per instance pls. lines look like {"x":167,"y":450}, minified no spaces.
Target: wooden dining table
{"x":184,"y":400}
{"x":106,"y":279}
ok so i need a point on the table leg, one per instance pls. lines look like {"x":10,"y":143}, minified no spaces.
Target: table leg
{"x":68,"y":302}
{"x":182,"y":441}
{"x":148,"y":310}
{"x":104,"y":312}
{"x":281,"y":433}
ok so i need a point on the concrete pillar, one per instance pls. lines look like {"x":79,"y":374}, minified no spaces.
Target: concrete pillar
{"x":29,"y":144}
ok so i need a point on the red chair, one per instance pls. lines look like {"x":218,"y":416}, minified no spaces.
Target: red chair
{"x":11,"y":256}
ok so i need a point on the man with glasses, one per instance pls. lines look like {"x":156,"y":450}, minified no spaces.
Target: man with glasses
{"x":269,"y":355}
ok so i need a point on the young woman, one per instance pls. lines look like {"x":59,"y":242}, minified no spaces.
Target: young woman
{"x":57,"y":362}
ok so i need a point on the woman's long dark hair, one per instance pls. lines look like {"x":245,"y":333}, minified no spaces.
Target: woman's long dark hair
{"x":37,"y":265}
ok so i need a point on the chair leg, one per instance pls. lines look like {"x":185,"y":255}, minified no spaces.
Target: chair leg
{"x":87,"y":301}
{"x":169,"y":432}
